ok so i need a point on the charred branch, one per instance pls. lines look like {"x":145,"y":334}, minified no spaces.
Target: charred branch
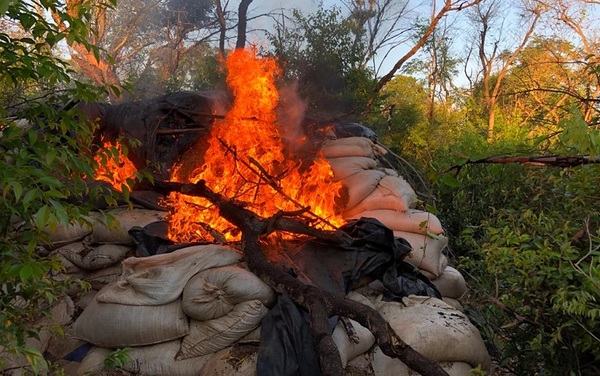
{"x":551,"y":160}
{"x":320,"y":304}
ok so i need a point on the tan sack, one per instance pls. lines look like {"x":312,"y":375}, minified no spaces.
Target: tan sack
{"x":93,"y":362}
{"x":118,"y":325}
{"x":359,"y":186}
{"x":451,"y":283}
{"x":349,"y":349}
{"x":160,"y":279}
{"x":426,"y":251}
{"x":94,"y":258}
{"x":214,"y":292}
{"x":210,"y":336}
{"x":231,"y":361}
{"x":436,"y":330}
{"x":343,"y":167}
{"x":412,"y":220}
{"x":348,"y":147}
{"x":63,"y":234}
{"x":116,"y":230}
{"x":383,"y":365}
{"x":391,"y":193}
{"x":61,"y":314}
{"x":159,"y":360}
{"x":103,"y":277}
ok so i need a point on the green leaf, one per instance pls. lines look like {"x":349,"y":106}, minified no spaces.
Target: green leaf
{"x":42,"y":217}
{"x":4,"y":6}
{"x":17,"y":189}
{"x":450,"y":181}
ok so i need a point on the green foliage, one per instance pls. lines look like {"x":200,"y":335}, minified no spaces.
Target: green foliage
{"x":527,"y":238}
{"x":44,"y":160}
{"x":321,"y":51}
{"x":117,"y":358}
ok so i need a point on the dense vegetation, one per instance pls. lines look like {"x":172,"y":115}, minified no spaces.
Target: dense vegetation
{"x":526,"y":236}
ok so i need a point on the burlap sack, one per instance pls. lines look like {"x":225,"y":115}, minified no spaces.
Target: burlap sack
{"x":116,"y":230}
{"x":61,"y":314}
{"x":159,"y":360}
{"x":417,"y":221}
{"x":436,"y":330}
{"x":392,"y":193}
{"x":210,"y":336}
{"x":451,"y":283}
{"x":344,"y":167}
{"x":358,"y":186}
{"x":214,"y":292}
{"x":238,"y":361}
{"x":103,"y":277}
{"x":348,"y":147}
{"x":427,"y":251}
{"x":160,"y":279}
{"x":152,"y":360}
{"x":94,"y":258}
{"x":63,"y":234}
{"x":349,"y":349}
{"x":117,"y":325}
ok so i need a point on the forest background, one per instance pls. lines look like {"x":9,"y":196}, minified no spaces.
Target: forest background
{"x":491,"y":107}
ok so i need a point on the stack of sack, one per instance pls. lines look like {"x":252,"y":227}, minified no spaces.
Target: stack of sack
{"x":197,"y":311}
{"x":370,"y":190}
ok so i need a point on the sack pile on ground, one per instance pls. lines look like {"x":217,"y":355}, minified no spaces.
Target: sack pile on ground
{"x":197,"y":310}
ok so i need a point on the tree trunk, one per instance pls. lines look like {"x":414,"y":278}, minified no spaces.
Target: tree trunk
{"x":242,"y":23}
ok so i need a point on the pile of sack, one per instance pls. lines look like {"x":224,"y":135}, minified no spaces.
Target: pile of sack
{"x":371,"y":190}
{"x":198,"y":310}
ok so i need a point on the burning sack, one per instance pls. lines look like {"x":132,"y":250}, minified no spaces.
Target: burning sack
{"x":160,"y":279}
{"x":115,"y":230}
{"x":213,"y":293}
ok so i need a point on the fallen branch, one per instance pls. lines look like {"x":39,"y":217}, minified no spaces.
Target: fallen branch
{"x":320,"y":304}
{"x":550,"y":160}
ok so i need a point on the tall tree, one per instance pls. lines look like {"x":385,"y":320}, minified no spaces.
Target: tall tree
{"x":488,"y":19}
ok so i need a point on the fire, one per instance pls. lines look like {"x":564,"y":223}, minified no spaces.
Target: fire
{"x":113,"y":166}
{"x":245,"y":161}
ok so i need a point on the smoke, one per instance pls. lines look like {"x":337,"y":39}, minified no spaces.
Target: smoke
{"x":290,"y":115}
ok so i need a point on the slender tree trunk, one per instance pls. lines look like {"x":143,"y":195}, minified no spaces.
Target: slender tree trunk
{"x":222,"y":27}
{"x":242,"y":23}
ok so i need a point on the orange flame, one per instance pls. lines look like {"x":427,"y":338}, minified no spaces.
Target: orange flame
{"x":113,"y":166}
{"x":245,"y":161}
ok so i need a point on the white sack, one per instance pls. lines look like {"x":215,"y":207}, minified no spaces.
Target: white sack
{"x":383,"y":365}
{"x":210,"y":336}
{"x":116,"y":231}
{"x":412,"y":220}
{"x":347,"y":348}
{"x":427,"y":251}
{"x":117,"y":325}
{"x":160,"y":279}
{"x":94,"y":258}
{"x":214,"y":292}
{"x":348,"y":147}
{"x":392,"y":193}
{"x":436,"y":330}
{"x":451,"y":283}
{"x":358,"y":186}
{"x":343,"y":167}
